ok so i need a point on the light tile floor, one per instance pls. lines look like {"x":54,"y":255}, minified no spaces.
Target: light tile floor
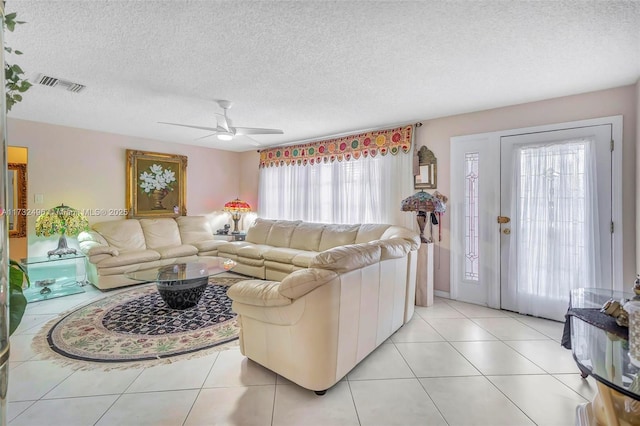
{"x":454,"y":363}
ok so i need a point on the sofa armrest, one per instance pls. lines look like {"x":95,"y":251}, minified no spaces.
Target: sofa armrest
{"x":100,"y":249}
{"x":258,"y":293}
{"x":303,"y":281}
{"x":394,"y":248}
{"x":402,"y":232}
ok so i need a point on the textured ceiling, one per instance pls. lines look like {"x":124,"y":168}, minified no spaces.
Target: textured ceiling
{"x":311,"y":68}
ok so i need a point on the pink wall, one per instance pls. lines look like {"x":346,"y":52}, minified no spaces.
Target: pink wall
{"x":436,"y":134}
{"x":87,"y":170}
{"x":249,"y":177}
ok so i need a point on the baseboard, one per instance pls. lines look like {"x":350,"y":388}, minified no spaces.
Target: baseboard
{"x":440,"y":293}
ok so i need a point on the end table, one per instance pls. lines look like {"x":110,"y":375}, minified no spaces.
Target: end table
{"x":54,"y":276}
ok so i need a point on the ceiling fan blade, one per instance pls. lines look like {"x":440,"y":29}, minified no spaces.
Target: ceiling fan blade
{"x":256,"y":131}
{"x":223,"y":122}
{"x":215,"y":129}
{"x":204,"y":137}
{"x":253,"y":141}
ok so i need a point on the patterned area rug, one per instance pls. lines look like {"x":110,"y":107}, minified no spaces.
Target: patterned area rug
{"x":136,"y":325}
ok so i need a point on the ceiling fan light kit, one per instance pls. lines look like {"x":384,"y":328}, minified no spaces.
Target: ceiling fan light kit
{"x":224,"y":131}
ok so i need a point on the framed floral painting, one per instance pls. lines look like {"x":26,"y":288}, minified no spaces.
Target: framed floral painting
{"x":156,"y":184}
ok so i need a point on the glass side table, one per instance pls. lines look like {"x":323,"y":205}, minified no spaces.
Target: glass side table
{"x":54,"y":276}
{"x":604,"y":355}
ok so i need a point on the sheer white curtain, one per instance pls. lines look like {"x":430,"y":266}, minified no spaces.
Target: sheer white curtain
{"x":367,"y":190}
{"x":556,"y":247}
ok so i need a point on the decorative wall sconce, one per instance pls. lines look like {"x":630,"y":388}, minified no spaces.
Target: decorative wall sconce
{"x":426,"y":174}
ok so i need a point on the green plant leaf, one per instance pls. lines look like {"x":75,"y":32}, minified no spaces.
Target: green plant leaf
{"x":17,"y":306}
{"x":17,"y":301}
{"x":10,"y":16}
{"x":11,"y":25}
{"x":17,"y":52}
{"x":16,"y":68}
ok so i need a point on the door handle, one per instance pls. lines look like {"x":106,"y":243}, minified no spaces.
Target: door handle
{"x":503,"y":219}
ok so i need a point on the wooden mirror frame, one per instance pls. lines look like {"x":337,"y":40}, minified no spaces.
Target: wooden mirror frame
{"x":19,"y":210}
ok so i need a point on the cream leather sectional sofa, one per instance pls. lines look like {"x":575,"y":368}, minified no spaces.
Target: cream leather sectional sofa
{"x":275,"y":248}
{"x":116,"y":247}
{"x":334,"y":293}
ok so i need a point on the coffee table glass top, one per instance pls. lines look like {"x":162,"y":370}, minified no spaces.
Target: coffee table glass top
{"x":203,"y":267}
{"x":604,"y":355}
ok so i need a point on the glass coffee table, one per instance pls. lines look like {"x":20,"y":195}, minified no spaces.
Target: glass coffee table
{"x":601,"y":350}
{"x":181,"y":285}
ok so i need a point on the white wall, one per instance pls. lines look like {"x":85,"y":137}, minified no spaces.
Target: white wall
{"x":436,"y":134}
{"x":87,"y":170}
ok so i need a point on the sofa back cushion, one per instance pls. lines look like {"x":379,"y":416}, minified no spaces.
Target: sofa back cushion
{"x":338,"y":235}
{"x":307,"y":236}
{"x":370,"y":232}
{"x":194,"y":229}
{"x":160,"y":232}
{"x":347,"y":258}
{"x":125,"y":235}
{"x":259,"y":231}
{"x":280,"y":233}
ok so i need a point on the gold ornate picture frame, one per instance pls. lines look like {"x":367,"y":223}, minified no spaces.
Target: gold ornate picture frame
{"x":156,"y":184}
{"x":17,"y":199}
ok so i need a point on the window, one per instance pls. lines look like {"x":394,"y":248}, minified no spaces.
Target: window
{"x":366,"y":190}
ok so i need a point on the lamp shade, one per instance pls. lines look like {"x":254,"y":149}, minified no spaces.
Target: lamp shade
{"x":237,"y":206}
{"x":61,"y":220}
{"x":425,"y":202}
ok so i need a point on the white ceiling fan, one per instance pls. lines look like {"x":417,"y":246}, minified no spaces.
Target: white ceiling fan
{"x":225,"y":131}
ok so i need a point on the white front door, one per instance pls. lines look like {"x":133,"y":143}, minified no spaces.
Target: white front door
{"x":556,"y":192}
{"x":484,"y":259}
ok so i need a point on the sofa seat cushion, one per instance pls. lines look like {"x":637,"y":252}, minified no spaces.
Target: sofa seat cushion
{"x":176,"y":251}
{"x":119,"y":270}
{"x":249,"y":261}
{"x":130,"y":258}
{"x":282,"y":267}
{"x":258,"y":293}
{"x":253,"y":251}
{"x":347,"y":258}
{"x":281,"y":254}
{"x":208,"y":245}
{"x":304,"y":259}
{"x":232,"y":247}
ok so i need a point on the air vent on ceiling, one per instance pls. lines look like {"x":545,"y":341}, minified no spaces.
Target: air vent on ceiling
{"x":46,"y":80}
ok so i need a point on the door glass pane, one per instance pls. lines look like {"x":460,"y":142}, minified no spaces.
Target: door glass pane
{"x":471,"y":216}
{"x":557,"y":244}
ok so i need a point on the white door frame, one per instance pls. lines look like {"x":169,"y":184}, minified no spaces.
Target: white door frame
{"x":491,"y":206}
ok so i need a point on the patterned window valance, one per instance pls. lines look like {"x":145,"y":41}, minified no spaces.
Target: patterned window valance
{"x":345,"y":148}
